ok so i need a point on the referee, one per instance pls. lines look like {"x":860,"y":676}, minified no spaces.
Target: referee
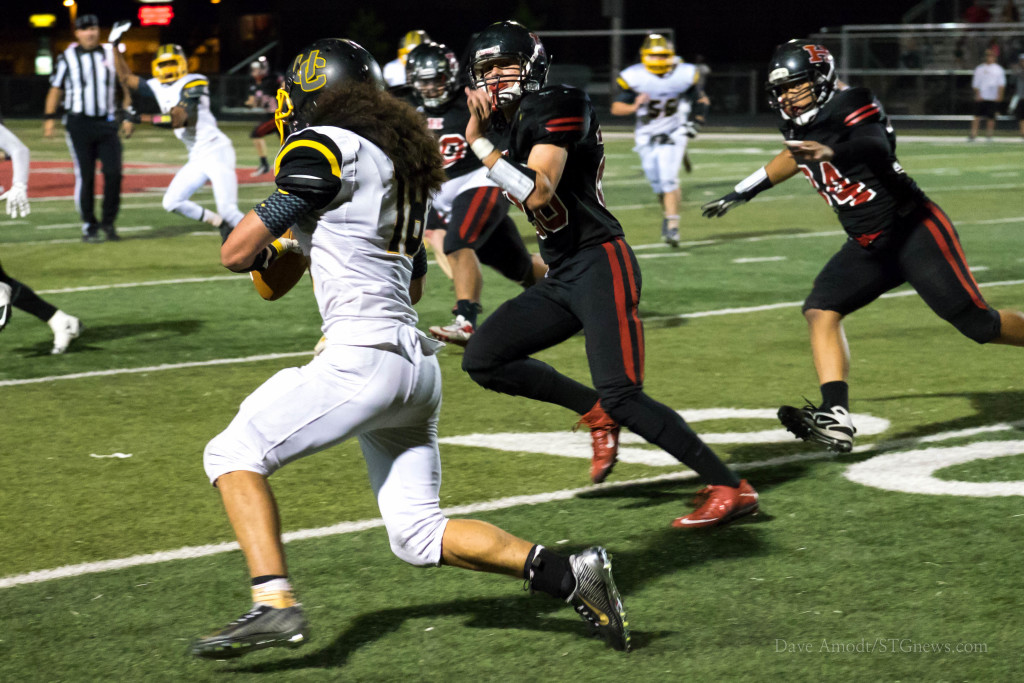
{"x":86,"y":80}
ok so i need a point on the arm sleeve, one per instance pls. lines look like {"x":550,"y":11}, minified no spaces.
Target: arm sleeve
{"x":310,"y":166}
{"x":419,"y":263}
{"x":280,"y":211}
{"x":868,"y":144}
{"x":18,"y":152}
{"x":624,"y":92}
{"x":145,"y":91}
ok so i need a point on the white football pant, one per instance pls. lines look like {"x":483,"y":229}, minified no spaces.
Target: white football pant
{"x":215,"y":163}
{"x":390,"y":399}
{"x":661,"y":163}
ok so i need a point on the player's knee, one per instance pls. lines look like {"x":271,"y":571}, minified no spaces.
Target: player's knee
{"x":223,"y":455}
{"x":667,"y":186}
{"x":418,"y":541}
{"x":170,"y":203}
{"x":620,"y":402}
{"x":978,"y":324}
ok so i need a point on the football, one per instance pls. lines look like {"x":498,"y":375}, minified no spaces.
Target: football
{"x":281,"y":276}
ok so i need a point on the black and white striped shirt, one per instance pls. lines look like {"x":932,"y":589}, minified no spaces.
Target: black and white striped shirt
{"x":88,"y":80}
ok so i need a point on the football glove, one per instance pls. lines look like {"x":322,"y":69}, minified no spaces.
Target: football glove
{"x":721,"y":206}
{"x":17,"y":200}
{"x":117,"y":30}
{"x":271,"y":252}
{"x":691,"y":128}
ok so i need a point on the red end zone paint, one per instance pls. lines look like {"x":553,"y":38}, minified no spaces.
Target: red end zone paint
{"x":56,"y":179}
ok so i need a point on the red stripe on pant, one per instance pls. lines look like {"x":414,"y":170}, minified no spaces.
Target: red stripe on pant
{"x":634,"y":311}
{"x":624,"y":309}
{"x":474,"y":205}
{"x":941,"y":235}
{"x":484,"y":214}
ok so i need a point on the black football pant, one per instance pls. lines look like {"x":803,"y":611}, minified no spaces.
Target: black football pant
{"x":27,"y":300}
{"x":92,"y":138}
{"x":596,"y":290}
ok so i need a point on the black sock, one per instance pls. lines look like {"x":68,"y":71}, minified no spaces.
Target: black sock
{"x":263,"y":161}
{"x":549,"y":573}
{"x":257,"y":580}
{"x":835,"y":394}
{"x":26,"y":299}
{"x":468,"y":310}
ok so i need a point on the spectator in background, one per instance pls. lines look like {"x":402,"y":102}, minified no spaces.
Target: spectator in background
{"x":977,"y":13}
{"x":989,"y":83}
{"x":1009,"y":14}
{"x":263,"y":96}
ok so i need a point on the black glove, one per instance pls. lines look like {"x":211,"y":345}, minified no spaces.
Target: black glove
{"x":720,"y":207}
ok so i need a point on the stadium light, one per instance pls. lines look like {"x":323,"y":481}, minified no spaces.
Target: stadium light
{"x":69,"y":3}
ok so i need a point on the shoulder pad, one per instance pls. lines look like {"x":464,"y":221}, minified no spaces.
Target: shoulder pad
{"x":309,"y":166}
{"x":196,"y":86}
{"x":557,"y":115}
{"x":855,"y":106}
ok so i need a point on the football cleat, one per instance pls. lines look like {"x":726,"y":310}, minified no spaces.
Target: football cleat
{"x":66,"y":328}
{"x":110,"y":232}
{"x":596,"y":599}
{"x":832,"y":427}
{"x":262,"y":169}
{"x":457,"y":332}
{"x":91,"y":233}
{"x":604,"y":434}
{"x":718,"y":505}
{"x":213,"y":218}
{"x":5,"y":305}
{"x":670,"y":235}
{"x":262,"y":627}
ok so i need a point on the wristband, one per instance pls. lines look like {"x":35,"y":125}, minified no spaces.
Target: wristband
{"x":753,"y":184}
{"x":481,"y":147}
{"x":517,"y":180}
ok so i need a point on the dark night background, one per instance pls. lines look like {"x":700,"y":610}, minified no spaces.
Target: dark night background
{"x":728,"y":32}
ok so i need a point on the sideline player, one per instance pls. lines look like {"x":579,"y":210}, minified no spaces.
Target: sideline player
{"x":66,"y":328}
{"x":354,"y":174}
{"x":843,"y":143}
{"x":553,"y":171}
{"x":468,"y":209}
{"x":394,"y":71}
{"x":263,"y":96}
{"x":184,"y":100}
{"x":663,"y":92}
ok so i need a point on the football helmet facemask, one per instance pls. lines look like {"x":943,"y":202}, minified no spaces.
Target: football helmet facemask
{"x":409,"y":42}
{"x":658,"y":54}
{"x":433,"y":71}
{"x":507,"y":43}
{"x":170,"y":63}
{"x":801,"y":78}
{"x":322,"y":67}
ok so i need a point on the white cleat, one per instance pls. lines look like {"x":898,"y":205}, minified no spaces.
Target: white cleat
{"x":5,"y":304}
{"x":213,"y":218}
{"x":66,"y":328}
{"x":457,"y":332}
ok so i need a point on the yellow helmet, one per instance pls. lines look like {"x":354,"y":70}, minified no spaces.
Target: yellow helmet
{"x":657,"y":54}
{"x":170,"y":63}
{"x":409,"y":41}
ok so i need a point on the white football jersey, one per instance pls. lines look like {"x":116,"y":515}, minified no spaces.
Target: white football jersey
{"x":358,"y":243}
{"x":668,"y":107}
{"x":394,"y":72}
{"x":205,"y":133}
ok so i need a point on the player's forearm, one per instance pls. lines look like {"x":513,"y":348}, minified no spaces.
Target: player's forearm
{"x":244,"y":244}
{"x":129,"y":81}
{"x":781,"y":168}
{"x":624,"y":109}
{"x":52,"y":99}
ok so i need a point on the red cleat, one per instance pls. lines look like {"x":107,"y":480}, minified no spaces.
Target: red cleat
{"x":604,"y":431}
{"x":719,"y":505}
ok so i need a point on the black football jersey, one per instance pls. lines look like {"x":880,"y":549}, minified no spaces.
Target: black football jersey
{"x":576,"y":217}
{"x":867,"y":195}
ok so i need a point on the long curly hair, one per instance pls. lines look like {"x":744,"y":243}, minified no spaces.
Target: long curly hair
{"x":393,"y":125}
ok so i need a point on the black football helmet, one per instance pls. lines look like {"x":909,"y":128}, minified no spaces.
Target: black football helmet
{"x":797,"y":63}
{"x":508,"y":40}
{"x":321,"y":67}
{"x":433,"y":71}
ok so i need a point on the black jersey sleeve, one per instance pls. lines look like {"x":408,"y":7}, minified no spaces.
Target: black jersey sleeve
{"x":309,"y":166}
{"x":858,"y":107}
{"x":559,"y":115}
{"x":867,"y":143}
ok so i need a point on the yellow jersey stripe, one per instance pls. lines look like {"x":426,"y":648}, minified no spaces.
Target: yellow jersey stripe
{"x":333,"y":160}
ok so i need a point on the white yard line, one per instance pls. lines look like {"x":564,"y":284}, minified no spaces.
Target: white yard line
{"x":193,"y":552}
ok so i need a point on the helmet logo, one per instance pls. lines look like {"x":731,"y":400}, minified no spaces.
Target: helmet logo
{"x":818,"y":53}
{"x":308,"y":72}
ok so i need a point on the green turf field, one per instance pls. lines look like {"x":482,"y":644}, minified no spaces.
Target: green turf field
{"x":902,"y":568}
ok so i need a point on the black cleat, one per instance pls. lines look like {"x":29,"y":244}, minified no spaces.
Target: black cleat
{"x":832,"y":427}
{"x":264,"y":626}
{"x":111,"y":233}
{"x":596,"y":599}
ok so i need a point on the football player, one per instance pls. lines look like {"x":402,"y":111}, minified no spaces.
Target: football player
{"x":263,"y":96}
{"x":16,"y":294}
{"x":184,"y":102}
{"x":843,"y":143}
{"x":354,"y":174}
{"x":467,"y":211}
{"x":668,"y":99}
{"x":553,"y":172}
{"x":394,"y":71}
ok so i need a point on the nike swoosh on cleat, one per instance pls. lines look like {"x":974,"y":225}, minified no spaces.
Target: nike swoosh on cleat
{"x":698,"y":521}
{"x":601,"y":616}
